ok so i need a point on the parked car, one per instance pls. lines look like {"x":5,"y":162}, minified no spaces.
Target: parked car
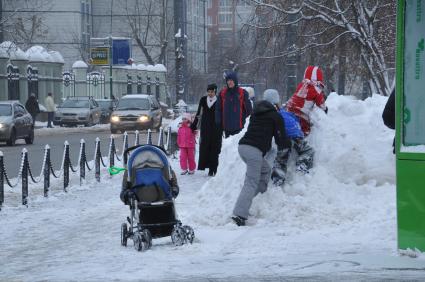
{"x":107,"y":106}
{"x":15,"y":123}
{"x":136,"y":111}
{"x":79,"y":110}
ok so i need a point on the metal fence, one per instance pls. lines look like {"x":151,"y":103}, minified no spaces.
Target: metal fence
{"x":26,"y":173}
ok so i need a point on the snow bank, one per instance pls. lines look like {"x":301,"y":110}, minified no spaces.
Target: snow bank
{"x":353,"y":174}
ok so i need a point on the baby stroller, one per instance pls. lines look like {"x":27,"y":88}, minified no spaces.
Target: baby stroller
{"x":149,"y":188}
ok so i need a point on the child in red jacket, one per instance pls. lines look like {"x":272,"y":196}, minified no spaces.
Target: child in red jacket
{"x":309,"y":93}
{"x":186,"y":142}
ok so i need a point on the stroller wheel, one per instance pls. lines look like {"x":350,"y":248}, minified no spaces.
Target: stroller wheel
{"x":147,"y":238}
{"x":124,"y":234}
{"x":178,"y":236}
{"x":189,"y":233}
{"x":138,"y":241}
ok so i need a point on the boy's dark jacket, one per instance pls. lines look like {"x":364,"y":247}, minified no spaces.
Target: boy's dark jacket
{"x":264,"y":124}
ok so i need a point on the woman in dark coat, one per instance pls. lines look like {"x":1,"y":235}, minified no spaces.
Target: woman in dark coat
{"x":211,"y":134}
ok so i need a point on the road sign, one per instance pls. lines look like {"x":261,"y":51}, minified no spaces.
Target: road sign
{"x":99,"y":56}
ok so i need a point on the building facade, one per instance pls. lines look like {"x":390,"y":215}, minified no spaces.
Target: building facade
{"x":68,"y":26}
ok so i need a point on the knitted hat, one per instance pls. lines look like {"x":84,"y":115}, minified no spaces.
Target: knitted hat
{"x":231,"y":75}
{"x":272,"y":96}
{"x":313,"y":73}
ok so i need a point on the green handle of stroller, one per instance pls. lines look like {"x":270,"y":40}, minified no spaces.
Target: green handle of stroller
{"x":115,"y":170}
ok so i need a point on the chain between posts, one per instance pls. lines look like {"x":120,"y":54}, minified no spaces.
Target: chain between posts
{"x":25,"y":173}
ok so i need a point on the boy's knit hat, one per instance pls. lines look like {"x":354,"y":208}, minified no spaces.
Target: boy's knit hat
{"x":272,"y":96}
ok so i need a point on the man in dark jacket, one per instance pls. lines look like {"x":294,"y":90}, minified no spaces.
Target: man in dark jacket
{"x":233,"y":106}
{"x":388,"y":115}
{"x":265,"y":123}
{"x":32,"y":107}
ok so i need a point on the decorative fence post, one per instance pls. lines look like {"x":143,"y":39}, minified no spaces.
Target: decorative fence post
{"x":97,"y":160}
{"x":82,"y":161}
{"x":1,"y":179}
{"x":112,"y":152}
{"x":66,"y":165}
{"x":149,"y":137}
{"x":136,"y":140}
{"x":24,"y":165}
{"x":125,"y":147}
{"x":167,"y":145}
{"x":46,"y":171}
{"x":161,"y":138}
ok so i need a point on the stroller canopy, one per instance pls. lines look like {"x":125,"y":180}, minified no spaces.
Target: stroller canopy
{"x":148,"y":166}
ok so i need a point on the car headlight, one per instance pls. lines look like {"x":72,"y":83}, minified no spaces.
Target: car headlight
{"x":143,"y":118}
{"x":115,"y":118}
{"x":1,"y":125}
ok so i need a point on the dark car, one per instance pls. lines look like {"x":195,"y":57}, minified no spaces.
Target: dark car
{"x":136,"y":112}
{"x":15,"y":123}
{"x":107,"y":106}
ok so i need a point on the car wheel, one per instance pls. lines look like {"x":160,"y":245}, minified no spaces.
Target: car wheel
{"x":12,"y":138}
{"x":30,"y":138}
{"x":90,"y":122}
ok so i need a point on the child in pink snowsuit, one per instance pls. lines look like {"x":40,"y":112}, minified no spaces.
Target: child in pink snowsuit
{"x":186,"y":142}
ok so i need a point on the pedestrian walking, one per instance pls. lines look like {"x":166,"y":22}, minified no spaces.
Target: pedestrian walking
{"x":50,"y":108}
{"x":32,"y":107}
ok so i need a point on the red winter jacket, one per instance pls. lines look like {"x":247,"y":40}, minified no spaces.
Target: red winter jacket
{"x":185,"y":136}
{"x":309,"y":93}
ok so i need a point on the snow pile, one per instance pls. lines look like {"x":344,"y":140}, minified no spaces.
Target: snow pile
{"x":352,"y":176}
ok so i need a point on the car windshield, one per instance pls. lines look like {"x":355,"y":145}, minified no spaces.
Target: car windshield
{"x":5,"y":110}
{"x":105,"y":104}
{"x":133,"y":104}
{"x":75,"y":104}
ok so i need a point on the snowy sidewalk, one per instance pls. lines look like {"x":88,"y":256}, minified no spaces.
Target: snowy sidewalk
{"x":337,"y":223}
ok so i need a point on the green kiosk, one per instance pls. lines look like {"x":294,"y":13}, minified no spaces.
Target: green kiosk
{"x":410,"y":124}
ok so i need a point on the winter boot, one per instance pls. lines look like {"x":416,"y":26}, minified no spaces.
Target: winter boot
{"x":184,"y":172}
{"x":239,"y":220}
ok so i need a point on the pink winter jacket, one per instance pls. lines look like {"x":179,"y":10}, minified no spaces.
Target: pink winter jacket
{"x":185,"y":136}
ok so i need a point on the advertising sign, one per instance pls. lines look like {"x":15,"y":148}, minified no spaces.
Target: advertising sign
{"x":414,"y":74}
{"x":99,"y":56}
{"x":121,"y":51}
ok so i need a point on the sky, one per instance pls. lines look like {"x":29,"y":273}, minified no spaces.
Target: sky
{"x":336,"y":223}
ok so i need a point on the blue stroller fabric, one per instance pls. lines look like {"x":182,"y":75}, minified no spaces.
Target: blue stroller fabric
{"x":148,"y":167}
{"x":292,"y":124}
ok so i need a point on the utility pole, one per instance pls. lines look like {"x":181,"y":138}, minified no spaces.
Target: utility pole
{"x":111,"y":95}
{"x":181,"y":48}
{"x":1,"y":21}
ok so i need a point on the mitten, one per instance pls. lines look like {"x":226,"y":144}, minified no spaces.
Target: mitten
{"x":194,"y":124}
{"x":126,"y":196}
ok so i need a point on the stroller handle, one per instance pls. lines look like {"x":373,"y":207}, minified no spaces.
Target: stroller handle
{"x":137,"y":146}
